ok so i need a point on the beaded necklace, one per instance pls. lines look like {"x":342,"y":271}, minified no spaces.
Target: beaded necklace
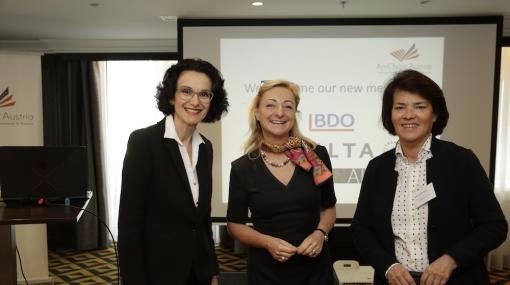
{"x":273,"y":164}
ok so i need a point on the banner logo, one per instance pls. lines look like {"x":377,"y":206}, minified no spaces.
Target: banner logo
{"x":6,"y":100}
{"x":330,"y":122}
{"x":402,"y":55}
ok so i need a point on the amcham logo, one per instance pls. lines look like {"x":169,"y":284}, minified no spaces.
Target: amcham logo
{"x":6,"y":100}
{"x":402,"y":54}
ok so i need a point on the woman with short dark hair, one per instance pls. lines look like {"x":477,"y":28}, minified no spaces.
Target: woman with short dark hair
{"x":426,"y":212}
{"x":165,"y":234}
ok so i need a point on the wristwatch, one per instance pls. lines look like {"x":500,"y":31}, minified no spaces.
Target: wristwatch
{"x":324,"y":232}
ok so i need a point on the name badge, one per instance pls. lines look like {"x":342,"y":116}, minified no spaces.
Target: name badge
{"x":424,"y":195}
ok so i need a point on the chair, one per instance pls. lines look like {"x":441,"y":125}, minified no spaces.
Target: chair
{"x":350,"y":272}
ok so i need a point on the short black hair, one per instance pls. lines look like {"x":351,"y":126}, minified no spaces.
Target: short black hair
{"x":417,"y":83}
{"x":166,"y":89}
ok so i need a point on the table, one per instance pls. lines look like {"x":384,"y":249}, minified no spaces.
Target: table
{"x":15,"y":214}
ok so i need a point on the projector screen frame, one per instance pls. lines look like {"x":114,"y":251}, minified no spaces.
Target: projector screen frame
{"x":182,"y":23}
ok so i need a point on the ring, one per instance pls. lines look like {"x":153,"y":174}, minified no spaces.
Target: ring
{"x":313,"y":251}
{"x":283,"y":258}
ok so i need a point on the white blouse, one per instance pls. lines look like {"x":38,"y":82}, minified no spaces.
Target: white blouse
{"x":191,"y":166}
{"x":408,"y":222}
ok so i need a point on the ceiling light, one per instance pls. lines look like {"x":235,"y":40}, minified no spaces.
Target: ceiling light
{"x":168,"y":18}
{"x":257,"y":4}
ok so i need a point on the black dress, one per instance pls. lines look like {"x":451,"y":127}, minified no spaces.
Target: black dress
{"x":289,"y":212}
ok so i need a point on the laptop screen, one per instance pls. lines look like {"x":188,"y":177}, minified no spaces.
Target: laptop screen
{"x":28,"y":173}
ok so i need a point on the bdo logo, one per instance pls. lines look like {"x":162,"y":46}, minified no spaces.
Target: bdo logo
{"x":331,"y":122}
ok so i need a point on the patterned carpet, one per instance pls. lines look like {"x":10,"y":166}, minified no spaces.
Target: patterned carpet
{"x":98,"y":267}
{"x":83,"y":267}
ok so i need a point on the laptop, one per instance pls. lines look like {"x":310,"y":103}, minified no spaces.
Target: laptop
{"x":31,"y":173}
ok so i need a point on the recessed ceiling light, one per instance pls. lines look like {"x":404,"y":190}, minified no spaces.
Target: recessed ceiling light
{"x":168,"y":18}
{"x":256,"y":4}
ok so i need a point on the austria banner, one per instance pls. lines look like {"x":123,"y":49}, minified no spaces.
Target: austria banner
{"x":21,"y":124}
{"x":21,"y":121}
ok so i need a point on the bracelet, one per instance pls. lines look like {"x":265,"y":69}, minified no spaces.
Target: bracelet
{"x":323,"y":232}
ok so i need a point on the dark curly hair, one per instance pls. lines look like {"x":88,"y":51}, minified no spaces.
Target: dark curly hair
{"x":417,"y":83}
{"x":166,"y":89}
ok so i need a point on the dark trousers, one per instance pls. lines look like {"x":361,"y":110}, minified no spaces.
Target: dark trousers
{"x":192,"y":280}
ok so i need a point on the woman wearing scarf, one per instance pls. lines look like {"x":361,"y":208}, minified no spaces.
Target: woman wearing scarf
{"x":284,"y":179}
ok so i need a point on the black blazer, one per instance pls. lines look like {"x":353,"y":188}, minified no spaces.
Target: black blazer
{"x":465,"y":220}
{"x":163,"y":237}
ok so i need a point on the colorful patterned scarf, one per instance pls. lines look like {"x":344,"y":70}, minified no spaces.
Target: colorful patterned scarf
{"x":300,"y":153}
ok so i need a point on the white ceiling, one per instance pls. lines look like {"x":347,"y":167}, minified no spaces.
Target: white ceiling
{"x":135,"y":25}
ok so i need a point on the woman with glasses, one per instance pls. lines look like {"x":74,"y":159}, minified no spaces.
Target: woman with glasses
{"x":426,"y":214}
{"x":165,"y":234}
{"x":285,"y":180}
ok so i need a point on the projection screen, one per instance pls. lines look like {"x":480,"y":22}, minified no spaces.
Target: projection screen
{"x":342,"y":66}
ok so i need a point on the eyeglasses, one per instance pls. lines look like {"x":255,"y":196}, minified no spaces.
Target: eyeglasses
{"x":204,"y":96}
